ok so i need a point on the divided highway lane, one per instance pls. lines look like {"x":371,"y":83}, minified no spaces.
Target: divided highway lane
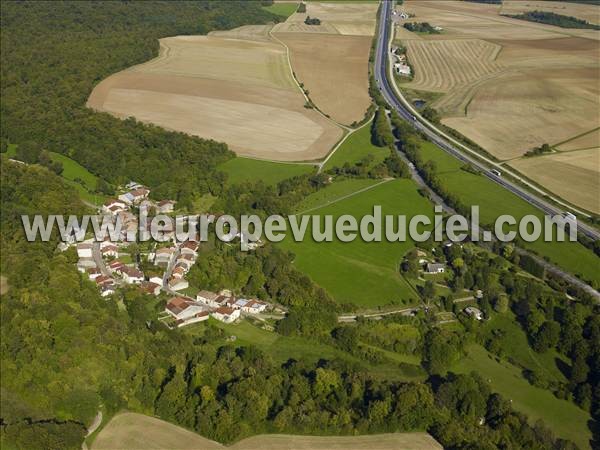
{"x":384,"y":84}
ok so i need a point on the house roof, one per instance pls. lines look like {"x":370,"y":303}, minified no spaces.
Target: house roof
{"x":178,"y":304}
{"x":109,"y":248}
{"x":435,"y":266}
{"x":149,"y":287}
{"x":132,"y":272}
{"x":84,"y":246}
{"x":208,"y":295}
{"x":166,"y":202}
{"x":139,"y":192}
{"x":164,"y":250}
{"x":190,"y":245}
{"x":102,"y":279}
{"x":225,"y":310}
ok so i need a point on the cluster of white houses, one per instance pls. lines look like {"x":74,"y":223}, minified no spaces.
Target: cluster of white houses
{"x":222,"y":306}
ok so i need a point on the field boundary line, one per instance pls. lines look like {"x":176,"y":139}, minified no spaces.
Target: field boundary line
{"x":306,"y":97}
{"x":344,"y":197}
{"x":339,"y":144}
{"x":474,"y":153}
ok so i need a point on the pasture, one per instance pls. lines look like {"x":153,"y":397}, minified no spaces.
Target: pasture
{"x":334,"y":192}
{"x":508,"y":85}
{"x":334,"y":69}
{"x":563,"y":417}
{"x":494,"y":201}
{"x":363,"y":273}
{"x":572,"y":175}
{"x":356,"y":147}
{"x":241,"y":169}
{"x":137,"y":431}
{"x":223,"y":89}
{"x":282,"y":9}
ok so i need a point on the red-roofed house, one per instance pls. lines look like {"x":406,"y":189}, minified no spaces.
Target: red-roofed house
{"x":186,"y":311}
{"x":226,"y":314}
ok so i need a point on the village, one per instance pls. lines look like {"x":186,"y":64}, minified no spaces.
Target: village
{"x":154,"y":267}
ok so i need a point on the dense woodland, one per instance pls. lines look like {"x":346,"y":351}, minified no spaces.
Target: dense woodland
{"x":64,"y":350}
{"x":558,"y":20}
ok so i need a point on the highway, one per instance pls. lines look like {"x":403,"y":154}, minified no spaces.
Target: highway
{"x":382,"y":77}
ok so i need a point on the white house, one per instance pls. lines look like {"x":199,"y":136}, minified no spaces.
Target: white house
{"x":150,"y":288}
{"x":207,"y":297}
{"x":254,"y":307}
{"x":157,"y":280}
{"x":107,"y":289}
{"x":165,"y":206}
{"x":226,"y":314}
{"x":471,"y":311}
{"x":186,"y":311}
{"x":435,"y":268}
{"x":134,"y":196}
{"x":85,"y":263}
{"x":189,"y":248}
{"x":131,"y":275}
{"x":116,"y":266}
{"x":402,"y":69}
{"x":93,"y":273}
{"x":177,"y":284}
{"x":110,"y":250}
{"x":113,"y":206}
{"x":84,"y":250}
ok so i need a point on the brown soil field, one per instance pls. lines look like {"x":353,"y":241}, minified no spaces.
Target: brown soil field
{"x":357,"y":19}
{"x":518,"y":111}
{"x":135,"y":432}
{"x":590,"y":13}
{"x":228,"y":89}
{"x":334,"y":69}
{"x":572,"y":175}
{"x":588,"y":140}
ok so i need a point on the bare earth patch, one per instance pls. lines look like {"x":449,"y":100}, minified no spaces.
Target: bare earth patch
{"x":334,"y":69}
{"x":572,"y":175}
{"x":136,"y":432}
{"x":224,"y":88}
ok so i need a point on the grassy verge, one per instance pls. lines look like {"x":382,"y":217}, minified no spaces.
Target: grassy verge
{"x":564,"y":418}
{"x":356,"y":147}
{"x":241,"y":170}
{"x":494,"y":201}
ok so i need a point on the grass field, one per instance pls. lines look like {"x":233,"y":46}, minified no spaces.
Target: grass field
{"x":245,"y":169}
{"x":222,"y":89}
{"x":564,"y":418}
{"x":282,"y":9}
{"x":134,"y":431}
{"x":356,"y":147}
{"x":494,"y":201}
{"x":79,"y":177}
{"x":334,"y":192}
{"x":514,"y":345}
{"x":363,"y":273}
{"x":572,"y":175}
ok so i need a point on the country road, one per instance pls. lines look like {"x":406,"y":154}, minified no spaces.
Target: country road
{"x":395,"y":99}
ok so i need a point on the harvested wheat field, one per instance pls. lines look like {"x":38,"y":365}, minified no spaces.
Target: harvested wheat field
{"x":229,"y":89}
{"x":572,"y":175}
{"x":358,"y":19}
{"x":581,"y":11}
{"x":136,"y":432}
{"x":245,"y":32}
{"x":334,"y":70}
{"x":508,"y":85}
{"x":581,"y":142}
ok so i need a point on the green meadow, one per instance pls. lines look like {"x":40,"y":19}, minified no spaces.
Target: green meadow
{"x":355,"y":147}
{"x":79,"y":177}
{"x":493,"y":201}
{"x":563,"y":417}
{"x":240,"y":170}
{"x":334,"y":192}
{"x":362,"y":273}
{"x":282,"y":9}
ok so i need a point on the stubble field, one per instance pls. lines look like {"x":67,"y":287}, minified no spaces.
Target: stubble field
{"x":239,"y":91}
{"x":509,"y":85}
{"x":136,"y":431}
{"x":331,"y":59}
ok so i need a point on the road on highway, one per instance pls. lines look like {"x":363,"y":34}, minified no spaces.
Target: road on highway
{"x":384,"y":83}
